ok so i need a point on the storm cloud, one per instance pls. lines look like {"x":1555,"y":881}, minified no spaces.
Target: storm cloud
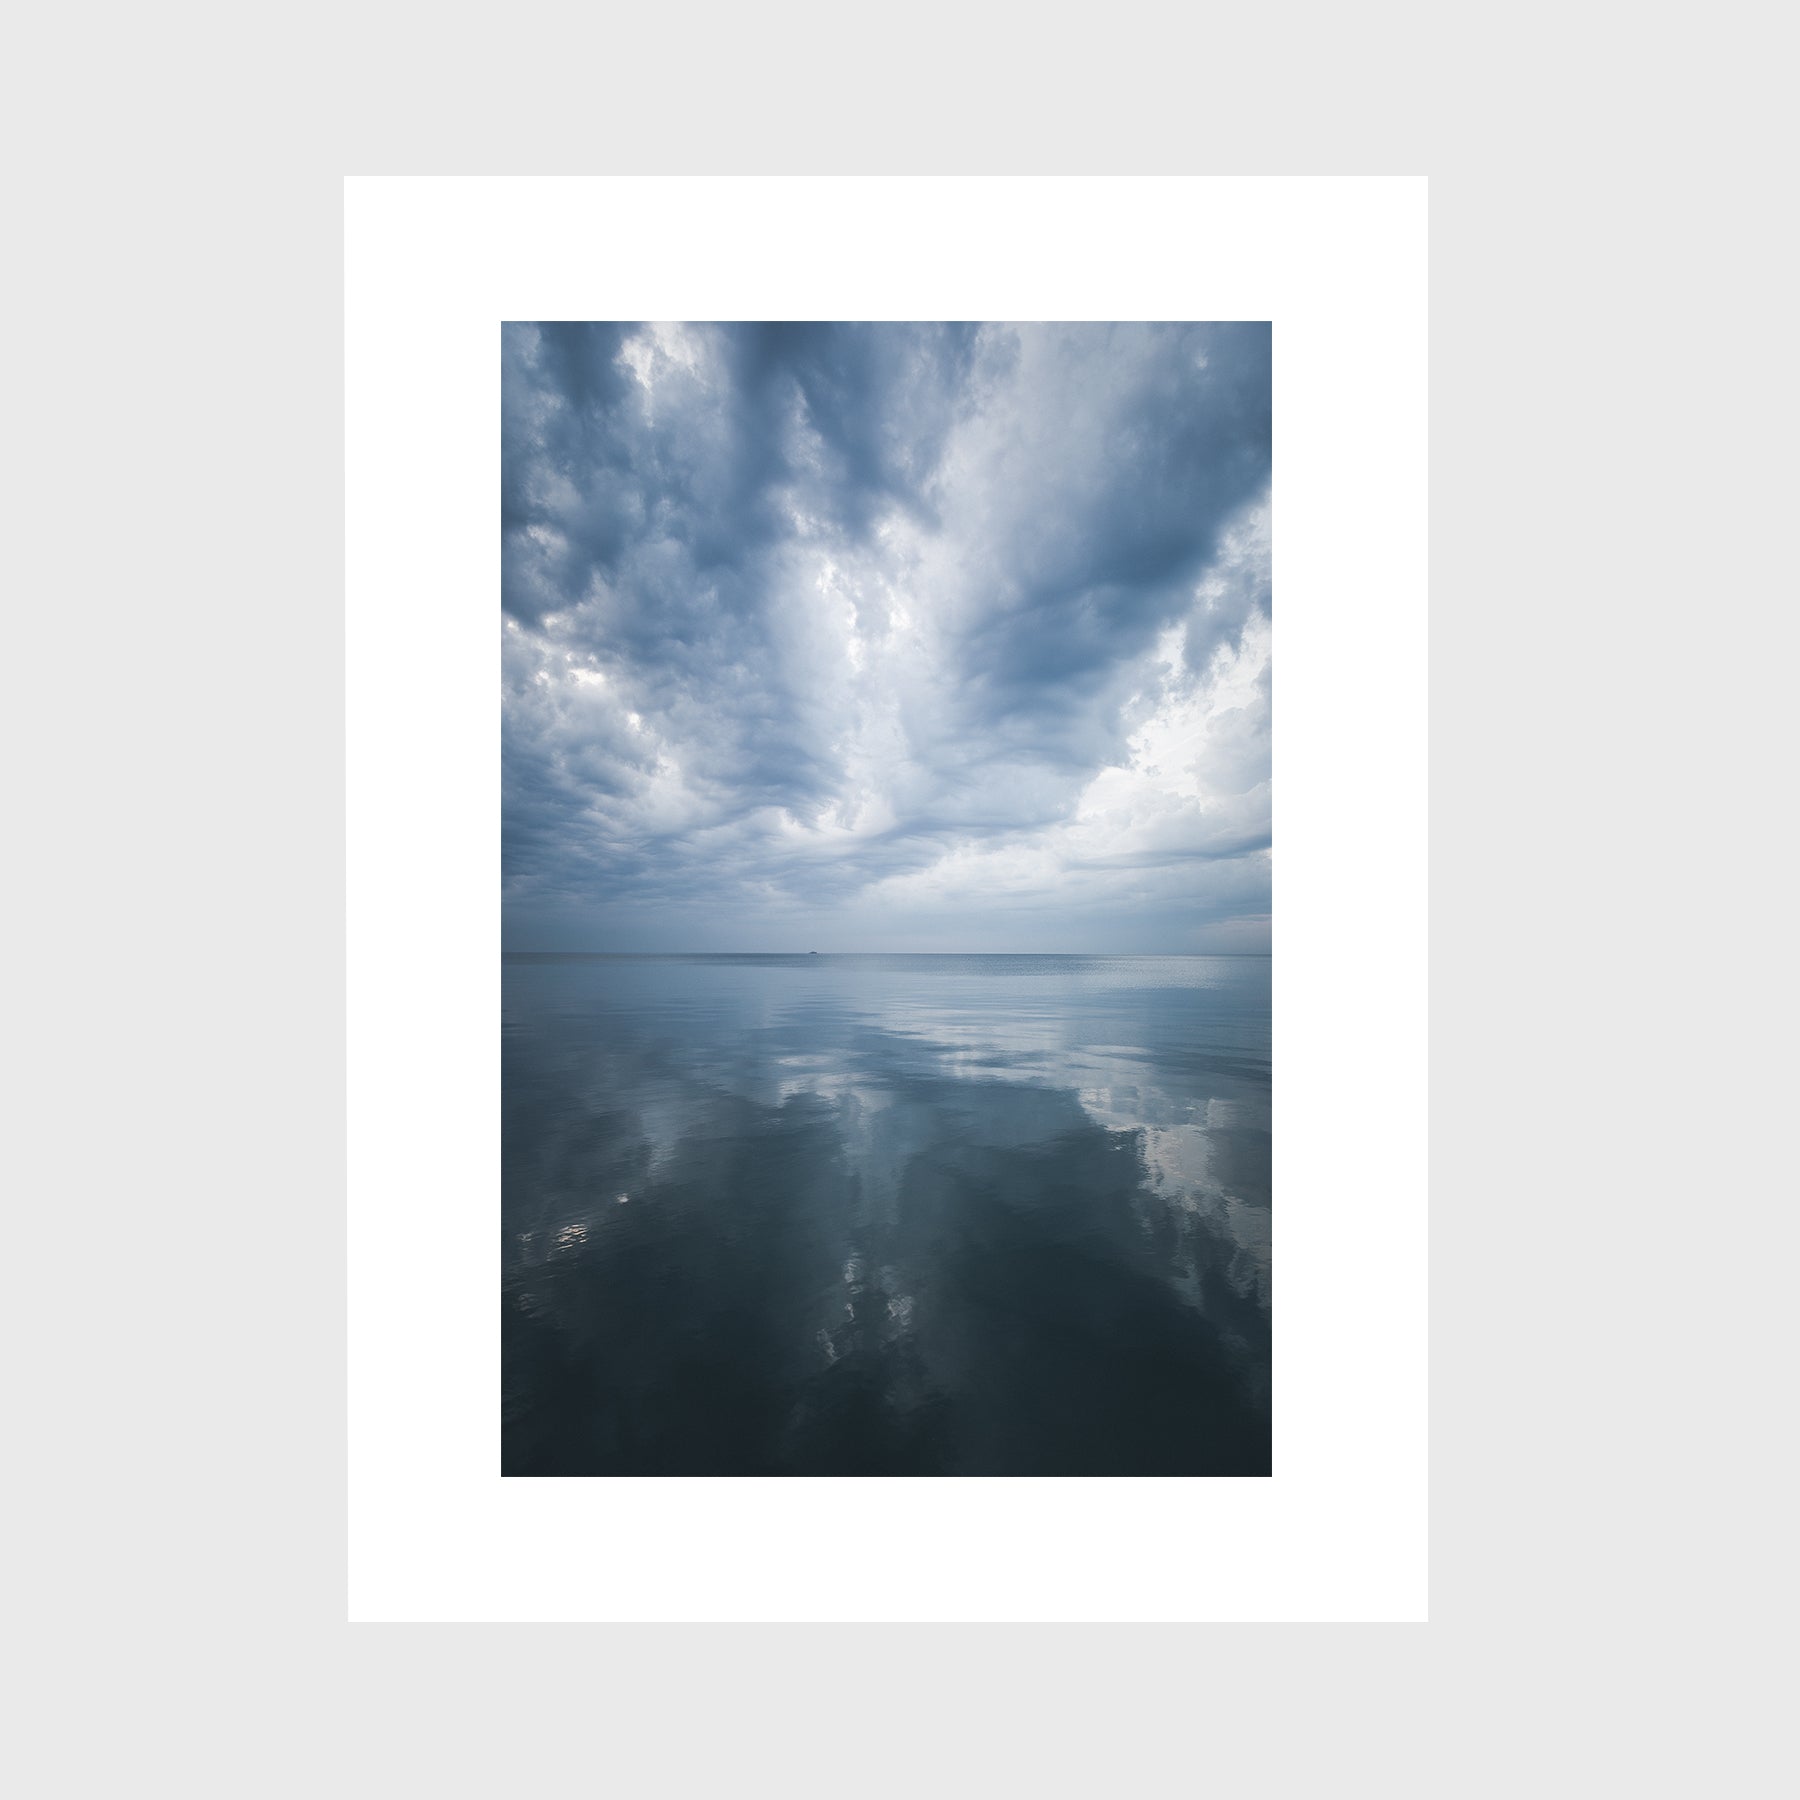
{"x":886,"y":637}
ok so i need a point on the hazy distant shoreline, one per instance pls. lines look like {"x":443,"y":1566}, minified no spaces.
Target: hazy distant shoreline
{"x":841,"y":955}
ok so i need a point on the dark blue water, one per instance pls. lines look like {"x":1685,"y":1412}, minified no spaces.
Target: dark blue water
{"x":886,"y":1215}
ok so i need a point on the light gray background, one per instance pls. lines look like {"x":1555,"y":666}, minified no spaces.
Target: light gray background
{"x":1609,"y":1283}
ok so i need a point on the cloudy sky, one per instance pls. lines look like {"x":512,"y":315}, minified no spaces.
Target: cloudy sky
{"x":886,"y":637}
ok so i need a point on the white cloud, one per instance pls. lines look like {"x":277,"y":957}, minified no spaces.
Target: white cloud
{"x":906,"y":638}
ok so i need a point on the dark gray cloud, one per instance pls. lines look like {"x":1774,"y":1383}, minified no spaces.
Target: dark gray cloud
{"x":886,"y":636}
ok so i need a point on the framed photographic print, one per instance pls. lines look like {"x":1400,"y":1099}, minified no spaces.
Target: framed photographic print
{"x":830,"y":879}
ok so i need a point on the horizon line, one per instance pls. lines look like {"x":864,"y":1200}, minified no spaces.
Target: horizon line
{"x":504,"y":951}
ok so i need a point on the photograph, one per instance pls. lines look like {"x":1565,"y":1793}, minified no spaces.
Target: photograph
{"x":886,"y":924}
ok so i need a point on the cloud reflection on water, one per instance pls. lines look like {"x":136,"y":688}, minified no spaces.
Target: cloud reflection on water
{"x":889,"y":1214}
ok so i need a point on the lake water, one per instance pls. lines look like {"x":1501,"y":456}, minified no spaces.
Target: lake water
{"x":886,"y":1215}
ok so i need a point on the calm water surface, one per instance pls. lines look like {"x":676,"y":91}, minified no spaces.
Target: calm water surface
{"x":886,"y":1215}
